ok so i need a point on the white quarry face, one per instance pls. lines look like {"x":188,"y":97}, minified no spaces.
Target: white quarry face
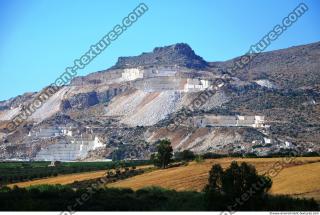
{"x":163,"y":72}
{"x":76,"y":150}
{"x":267,"y":140}
{"x":131,"y":74}
{"x":195,"y":85}
{"x":265,"y":83}
{"x":97,"y":143}
{"x":228,"y":121}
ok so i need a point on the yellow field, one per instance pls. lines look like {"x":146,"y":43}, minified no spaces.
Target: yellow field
{"x":302,"y":180}
{"x":299,"y":178}
{"x":66,"y":179}
{"x":62,"y":179}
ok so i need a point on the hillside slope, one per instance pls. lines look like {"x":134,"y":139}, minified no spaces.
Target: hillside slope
{"x":131,"y":105}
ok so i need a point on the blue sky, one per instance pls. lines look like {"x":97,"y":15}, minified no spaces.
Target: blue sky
{"x":39,"y":39}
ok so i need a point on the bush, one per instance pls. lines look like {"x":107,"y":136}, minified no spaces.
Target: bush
{"x":185,"y":155}
{"x":199,"y":159}
{"x":211,"y":155}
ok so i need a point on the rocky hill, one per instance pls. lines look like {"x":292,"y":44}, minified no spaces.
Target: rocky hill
{"x":179,"y":54}
{"x":269,"y":106}
{"x":293,"y":68}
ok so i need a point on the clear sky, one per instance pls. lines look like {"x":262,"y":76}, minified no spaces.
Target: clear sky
{"x":40,"y":38}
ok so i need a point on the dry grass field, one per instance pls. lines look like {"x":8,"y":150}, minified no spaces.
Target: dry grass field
{"x":302,"y":180}
{"x":62,"y":179}
{"x":67,"y":179}
{"x":299,"y":178}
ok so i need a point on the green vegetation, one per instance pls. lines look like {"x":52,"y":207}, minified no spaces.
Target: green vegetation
{"x":64,"y":198}
{"x":59,"y":198}
{"x":185,"y":155}
{"x":12,"y":172}
{"x":199,"y":159}
{"x":239,"y":187}
{"x":164,"y":155}
{"x":226,"y":186}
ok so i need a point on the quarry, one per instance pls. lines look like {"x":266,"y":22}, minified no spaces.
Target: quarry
{"x":164,"y":79}
{"x":228,"y":121}
{"x":151,"y":79}
{"x":123,"y":110}
{"x":66,"y":143}
{"x":76,"y":149}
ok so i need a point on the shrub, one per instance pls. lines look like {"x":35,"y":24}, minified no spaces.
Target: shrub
{"x":185,"y":155}
{"x":199,"y":159}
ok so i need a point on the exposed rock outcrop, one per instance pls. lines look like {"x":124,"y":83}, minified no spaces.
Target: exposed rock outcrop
{"x":175,"y":55}
{"x":130,"y":105}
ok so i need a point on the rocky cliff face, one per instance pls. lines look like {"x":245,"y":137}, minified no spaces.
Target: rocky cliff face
{"x":175,"y":55}
{"x":131,"y":105}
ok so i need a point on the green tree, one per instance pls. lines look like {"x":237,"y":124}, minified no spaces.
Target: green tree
{"x":185,"y":155}
{"x":215,"y":179}
{"x":213,"y":191}
{"x":236,"y":182}
{"x":239,"y":179}
{"x":154,"y":159}
{"x":164,"y":154}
